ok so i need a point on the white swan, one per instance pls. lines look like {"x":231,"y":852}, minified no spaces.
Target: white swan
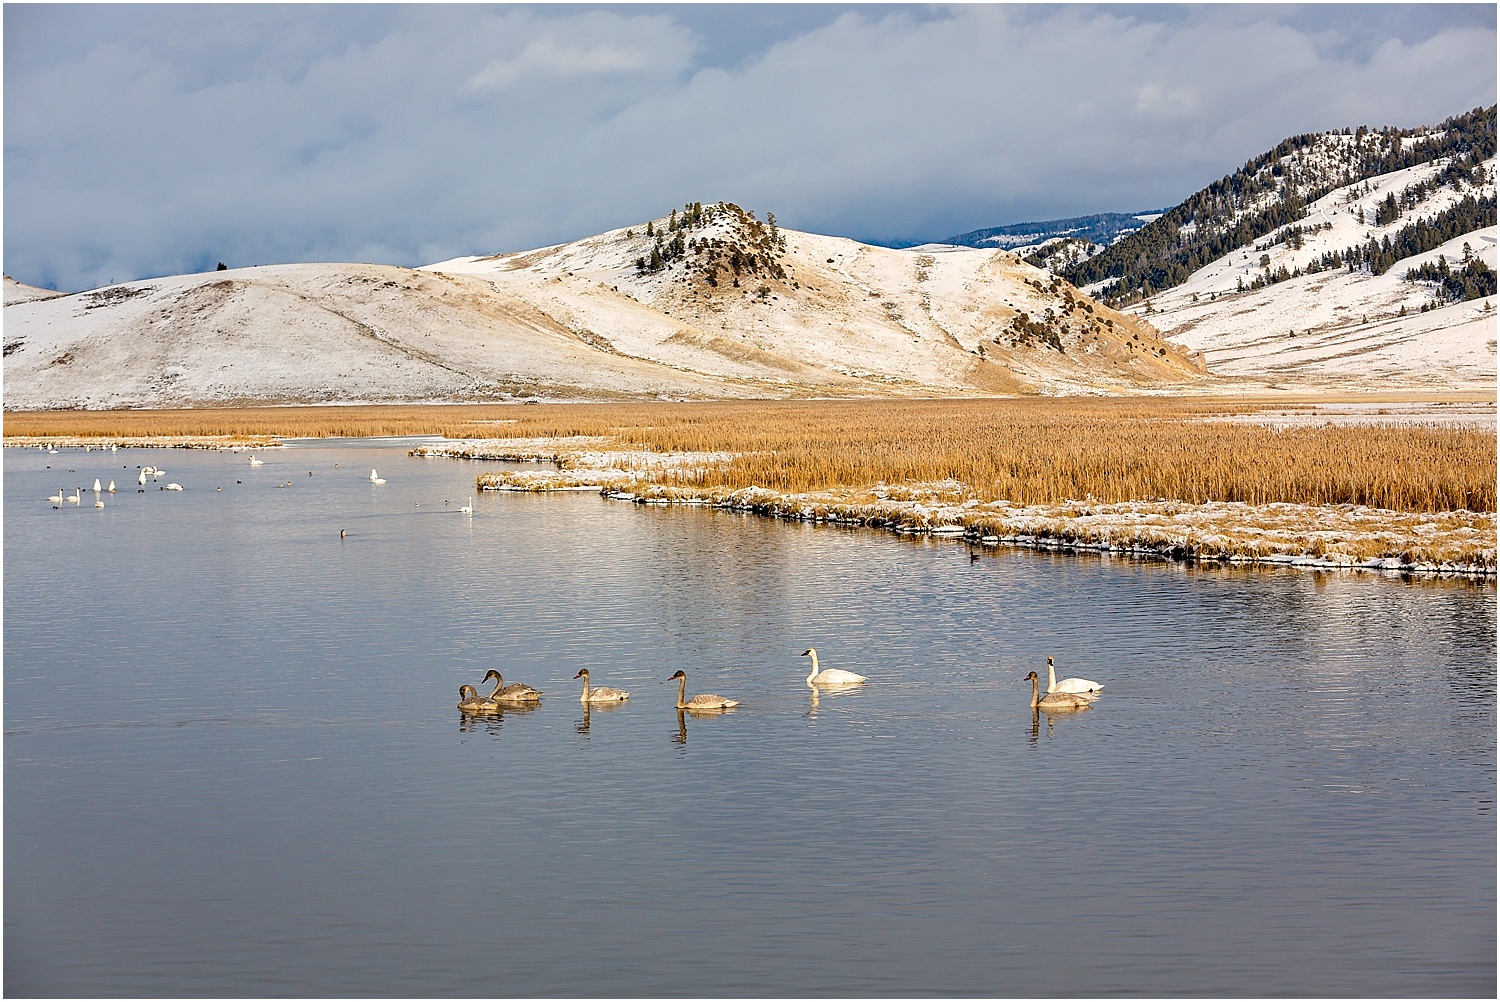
{"x":58,"y":497}
{"x":702,"y":701}
{"x":603,"y":694}
{"x":97,"y":486}
{"x":829,"y":676}
{"x":257,"y":462}
{"x":468,"y":509}
{"x":99,"y":504}
{"x":77,"y":495}
{"x":142,"y":478}
{"x":516,"y":692}
{"x":172,"y":487}
{"x":1055,"y":700}
{"x":376,"y":478}
{"x":111,"y":487}
{"x":1068,"y":684}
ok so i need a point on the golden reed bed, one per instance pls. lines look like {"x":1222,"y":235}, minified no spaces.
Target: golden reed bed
{"x":1027,"y":451}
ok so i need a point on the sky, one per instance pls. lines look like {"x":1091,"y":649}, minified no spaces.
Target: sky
{"x":147,"y":140}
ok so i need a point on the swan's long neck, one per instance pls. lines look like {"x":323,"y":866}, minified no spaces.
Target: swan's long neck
{"x":681,"y":692}
{"x":585,"y":687}
{"x":499,"y":681}
{"x":814,"y":673}
{"x":1036,"y":695}
{"x":1051,"y":677}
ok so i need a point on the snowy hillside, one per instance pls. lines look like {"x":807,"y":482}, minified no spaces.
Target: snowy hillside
{"x":1290,"y":309}
{"x":712,"y":303}
{"x":17,"y":292}
{"x":1274,"y":191}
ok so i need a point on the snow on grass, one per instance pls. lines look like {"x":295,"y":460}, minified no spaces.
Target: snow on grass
{"x":1320,"y":536}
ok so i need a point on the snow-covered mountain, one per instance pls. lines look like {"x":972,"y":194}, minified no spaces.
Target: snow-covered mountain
{"x":1293,"y":308}
{"x":706,"y":302}
{"x":1293,"y":270}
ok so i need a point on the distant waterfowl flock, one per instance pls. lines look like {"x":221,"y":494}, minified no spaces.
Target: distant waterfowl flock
{"x":1069,"y":694}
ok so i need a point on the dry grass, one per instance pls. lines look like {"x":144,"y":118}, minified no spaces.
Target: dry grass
{"x":1027,"y":451}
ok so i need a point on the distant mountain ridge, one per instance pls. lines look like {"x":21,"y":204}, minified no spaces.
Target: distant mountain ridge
{"x":1102,"y":228}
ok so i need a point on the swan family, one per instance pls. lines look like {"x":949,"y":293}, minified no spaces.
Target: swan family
{"x":470,"y":701}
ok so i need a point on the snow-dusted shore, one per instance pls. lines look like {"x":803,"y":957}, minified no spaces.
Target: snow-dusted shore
{"x":1313,"y":536}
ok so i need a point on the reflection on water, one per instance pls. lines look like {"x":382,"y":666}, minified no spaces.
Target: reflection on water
{"x":231,"y":764}
{"x":582,"y":726}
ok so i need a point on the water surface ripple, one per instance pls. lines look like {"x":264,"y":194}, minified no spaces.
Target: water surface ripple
{"x":233,"y":765}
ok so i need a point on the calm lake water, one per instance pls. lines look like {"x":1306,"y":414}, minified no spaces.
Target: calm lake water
{"x":233,"y":764}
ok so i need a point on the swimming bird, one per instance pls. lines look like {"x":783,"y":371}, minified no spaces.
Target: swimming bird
{"x":343,"y":533}
{"x":58,"y":497}
{"x":142,"y":478}
{"x":470,"y":701}
{"x":603,"y":694}
{"x":1069,"y":684}
{"x":376,"y":478}
{"x":702,"y":701}
{"x":468,"y":509}
{"x":99,"y":504}
{"x":1055,"y":700}
{"x":97,"y":487}
{"x":829,"y":676}
{"x":77,"y":495}
{"x":257,"y":462}
{"x":516,"y":692}
{"x":111,"y":487}
{"x":172,"y":487}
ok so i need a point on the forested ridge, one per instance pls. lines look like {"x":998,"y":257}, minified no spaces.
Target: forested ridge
{"x":1273,"y":191}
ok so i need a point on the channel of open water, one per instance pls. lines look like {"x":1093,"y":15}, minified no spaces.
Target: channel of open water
{"x":234,"y":766}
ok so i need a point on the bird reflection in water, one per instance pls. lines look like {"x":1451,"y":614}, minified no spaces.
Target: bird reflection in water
{"x":1052,"y":714}
{"x":818,"y":691}
{"x":492,"y":717}
{"x":582,"y":726}
{"x":680,"y":738}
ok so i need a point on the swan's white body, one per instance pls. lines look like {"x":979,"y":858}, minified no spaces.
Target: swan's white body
{"x":77,"y":496}
{"x":99,"y":504}
{"x":172,"y":487}
{"x":97,"y":487}
{"x":516,"y":692}
{"x":257,"y":462}
{"x":603,"y":694}
{"x":376,"y":478}
{"x":1055,"y":700}
{"x":111,"y":487}
{"x":702,"y":701}
{"x":829,"y":676}
{"x":1069,"y":684}
{"x":468,"y":509}
{"x":58,"y":497}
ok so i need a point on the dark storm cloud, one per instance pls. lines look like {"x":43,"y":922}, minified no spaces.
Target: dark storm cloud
{"x":144,"y":140}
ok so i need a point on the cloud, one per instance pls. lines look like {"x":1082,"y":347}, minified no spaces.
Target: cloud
{"x":179,"y":136}
{"x":547,"y":56}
